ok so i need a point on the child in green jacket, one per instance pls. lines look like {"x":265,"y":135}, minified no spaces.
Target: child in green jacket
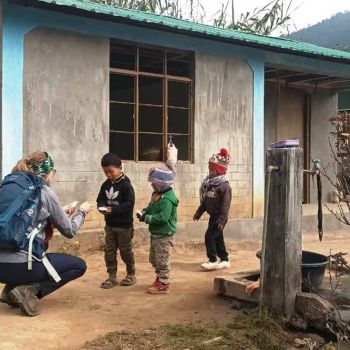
{"x":161,"y":216}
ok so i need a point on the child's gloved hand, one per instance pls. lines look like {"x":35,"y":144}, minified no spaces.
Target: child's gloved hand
{"x":141,"y":215}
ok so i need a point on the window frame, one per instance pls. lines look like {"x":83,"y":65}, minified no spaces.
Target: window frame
{"x":136,"y":74}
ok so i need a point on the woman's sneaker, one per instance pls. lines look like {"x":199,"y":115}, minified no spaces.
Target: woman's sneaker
{"x":224,"y":264}
{"x":210,"y":266}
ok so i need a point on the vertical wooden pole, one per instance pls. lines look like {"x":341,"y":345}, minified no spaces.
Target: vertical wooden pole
{"x":282,"y":249}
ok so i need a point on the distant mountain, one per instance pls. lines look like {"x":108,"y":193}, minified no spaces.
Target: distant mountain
{"x":333,"y":32}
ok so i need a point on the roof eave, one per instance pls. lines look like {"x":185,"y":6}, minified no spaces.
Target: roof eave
{"x":158,"y":26}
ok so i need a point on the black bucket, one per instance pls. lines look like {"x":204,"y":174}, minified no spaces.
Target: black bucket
{"x":313,"y":268}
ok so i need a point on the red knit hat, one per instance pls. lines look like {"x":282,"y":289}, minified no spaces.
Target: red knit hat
{"x":220,"y":161}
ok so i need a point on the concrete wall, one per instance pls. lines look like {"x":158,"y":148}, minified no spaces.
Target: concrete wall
{"x":66,"y":112}
{"x":284,"y":114}
{"x":223,"y":118}
{"x":290,"y":121}
{"x":324,"y":104}
{"x":284,"y":119}
{"x":66,"y":105}
{"x":270,"y":112}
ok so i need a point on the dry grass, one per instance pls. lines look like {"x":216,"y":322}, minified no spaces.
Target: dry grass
{"x":253,"y":332}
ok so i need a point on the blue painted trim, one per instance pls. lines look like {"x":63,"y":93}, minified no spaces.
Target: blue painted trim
{"x":12,"y":93}
{"x":258,"y":137}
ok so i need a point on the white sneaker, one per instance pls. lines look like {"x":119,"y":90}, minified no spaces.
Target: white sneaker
{"x":224,"y":265}
{"x":210,"y":265}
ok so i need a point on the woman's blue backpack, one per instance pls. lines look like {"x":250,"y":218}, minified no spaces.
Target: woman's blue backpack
{"x":19,"y":193}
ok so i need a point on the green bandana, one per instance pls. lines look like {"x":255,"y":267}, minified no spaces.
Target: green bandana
{"x":43,"y":167}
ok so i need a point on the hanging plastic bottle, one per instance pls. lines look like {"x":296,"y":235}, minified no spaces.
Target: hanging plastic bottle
{"x":171,"y":151}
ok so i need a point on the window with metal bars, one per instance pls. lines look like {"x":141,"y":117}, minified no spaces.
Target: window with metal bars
{"x":150,"y":100}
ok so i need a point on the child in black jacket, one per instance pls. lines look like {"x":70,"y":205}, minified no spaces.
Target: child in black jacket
{"x":116,"y":201}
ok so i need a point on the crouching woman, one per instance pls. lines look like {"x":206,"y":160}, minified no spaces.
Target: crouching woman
{"x":29,"y":278}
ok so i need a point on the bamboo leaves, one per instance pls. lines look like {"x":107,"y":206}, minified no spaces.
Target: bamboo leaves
{"x":265,"y":20}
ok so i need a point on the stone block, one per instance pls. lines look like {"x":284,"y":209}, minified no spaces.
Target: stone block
{"x":197,"y":168}
{"x":67,"y":166}
{"x":194,"y":194}
{"x":236,"y":207}
{"x":59,"y":187}
{"x":191,"y":176}
{"x":243,"y":184}
{"x":181,"y":176}
{"x":87,"y":176}
{"x":199,"y":177}
{"x":242,"y":192}
{"x":184,"y":201}
{"x":316,"y":310}
{"x":245,"y":200}
{"x":92,"y":166}
{"x":128,"y":167}
{"x":243,"y":215}
{"x":234,"y":286}
{"x":235,"y":199}
{"x":247,"y":207}
{"x":63,"y":176}
{"x":205,"y":168}
{"x":237,"y":176}
{"x":183,"y":185}
{"x":234,"y":184}
{"x":242,"y":168}
{"x":233,"y":168}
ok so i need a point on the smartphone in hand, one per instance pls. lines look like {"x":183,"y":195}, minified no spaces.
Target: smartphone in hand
{"x":102,"y":209}
{"x":70,"y":208}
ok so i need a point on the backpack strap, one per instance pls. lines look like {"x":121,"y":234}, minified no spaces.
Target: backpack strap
{"x":31,"y":236}
{"x":50,"y":269}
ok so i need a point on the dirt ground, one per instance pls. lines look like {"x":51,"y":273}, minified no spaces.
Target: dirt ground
{"x":82,"y":311}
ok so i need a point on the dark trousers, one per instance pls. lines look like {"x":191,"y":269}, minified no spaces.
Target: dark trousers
{"x":119,"y":238}
{"x":67,"y":266}
{"x":214,"y":242}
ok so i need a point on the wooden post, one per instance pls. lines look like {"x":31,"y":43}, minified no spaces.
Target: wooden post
{"x":282,"y":247}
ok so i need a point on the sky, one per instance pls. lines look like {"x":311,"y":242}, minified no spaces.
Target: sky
{"x":305,"y":12}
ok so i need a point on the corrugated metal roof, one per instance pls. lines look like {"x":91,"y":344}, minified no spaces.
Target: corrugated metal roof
{"x":287,"y":45}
